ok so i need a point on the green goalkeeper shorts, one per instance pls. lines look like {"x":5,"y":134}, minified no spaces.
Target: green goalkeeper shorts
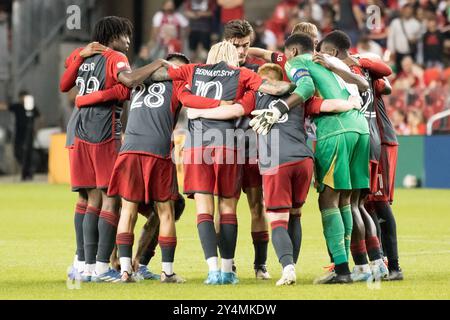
{"x":342,"y":161}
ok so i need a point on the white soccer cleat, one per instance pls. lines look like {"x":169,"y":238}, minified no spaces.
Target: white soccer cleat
{"x":379,"y":270}
{"x":288,"y":276}
{"x":173,"y":278}
{"x":361,"y":273}
{"x":261,"y":273}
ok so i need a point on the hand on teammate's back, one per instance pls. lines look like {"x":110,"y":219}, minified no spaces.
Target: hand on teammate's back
{"x":92,"y":49}
{"x":194,"y":113}
{"x":322,"y":60}
{"x":355,"y":101}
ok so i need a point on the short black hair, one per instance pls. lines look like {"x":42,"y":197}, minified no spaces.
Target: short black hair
{"x":339,"y":39}
{"x":178,"y":56}
{"x":300,"y":39}
{"x":110,"y":28}
{"x":237,"y":29}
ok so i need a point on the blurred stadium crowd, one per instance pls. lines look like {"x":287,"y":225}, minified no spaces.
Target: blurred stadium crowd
{"x":413,"y":36}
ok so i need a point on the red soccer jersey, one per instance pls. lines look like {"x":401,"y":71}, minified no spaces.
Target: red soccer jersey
{"x":280,"y":59}
{"x":220,"y":82}
{"x":100,"y":122}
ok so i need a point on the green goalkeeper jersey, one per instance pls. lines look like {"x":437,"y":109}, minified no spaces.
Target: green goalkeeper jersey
{"x":309,"y":77}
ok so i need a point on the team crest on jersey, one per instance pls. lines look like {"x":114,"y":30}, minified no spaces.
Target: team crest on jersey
{"x":299,"y":73}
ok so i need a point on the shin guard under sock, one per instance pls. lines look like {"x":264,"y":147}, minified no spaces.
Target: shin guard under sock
{"x":295,"y":233}
{"x":333,"y":229}
{"x":207,"y":235}
{"x":228,"y":235}
{"x":90,"y":234}
{"x":107,"y":230}
{"x":282,"y":242}
{"x":346,"y":213}
{"x":80,"y":211}
{"x":260,"y":243}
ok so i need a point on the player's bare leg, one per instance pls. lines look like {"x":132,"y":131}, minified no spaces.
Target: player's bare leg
{"x":227,"y":238}
{"x":90,"y":231}
{"x":125,"y":237}
{"x":361,"y":271}
{"x":207,"y":234}
{"x":379,"y":269}
{"x":146,"y":247}
{"x":279,"y":220}
{"x":167,"y":241}
{"x":259,"y":231}
{"x":107,"y":230}
{"x":79,"y":260}
{"x":334,"y":231}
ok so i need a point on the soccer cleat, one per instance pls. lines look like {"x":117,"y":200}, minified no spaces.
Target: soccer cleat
{"x":395,"y":275}
{"x":146,"y":274}
{"x":335,"y":278}
{"x":328,"y":274}
{"x":288,"y":277}
{"x":173,"y":278}
{"x":229,"y":278}
{"x":379,"y":270}
{"x":361,"y":273}
{"x":109,"y":276}
{"x":125,"y":277}
{"x":261,"y":273}
{"x":214,"y":278}
{"x":86,"y":277}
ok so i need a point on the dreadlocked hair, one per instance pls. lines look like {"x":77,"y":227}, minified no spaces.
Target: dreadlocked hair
{"x":223,"y":51}
{"x":110,"y":28}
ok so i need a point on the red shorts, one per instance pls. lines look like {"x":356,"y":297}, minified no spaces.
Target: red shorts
{"x":251,"y":178}
{"x":386,"y":174}
{"x":143,"y":178}
{"x":91,"y":164}
{"x":373,"y":171}
{"x":289,"y":187}
{"x":209,"y":171}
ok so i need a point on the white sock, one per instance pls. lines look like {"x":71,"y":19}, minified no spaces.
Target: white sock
{"x":227,"y":265}
{"x":101,"y":267}
{"x":213,"y":263}
{"x":125,"y":265}
{"x":75,"y":262}
{"x":89,"y":269}
{"x":80,"y":267}
{"x":167,"y":268}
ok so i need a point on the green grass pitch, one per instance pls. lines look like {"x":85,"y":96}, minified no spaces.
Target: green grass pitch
{"x":37,"y":246}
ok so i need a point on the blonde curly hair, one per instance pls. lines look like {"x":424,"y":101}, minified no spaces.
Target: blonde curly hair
{"x":223,"y":51}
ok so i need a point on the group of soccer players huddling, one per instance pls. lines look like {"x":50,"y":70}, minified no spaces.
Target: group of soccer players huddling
{"x":249,"y":112}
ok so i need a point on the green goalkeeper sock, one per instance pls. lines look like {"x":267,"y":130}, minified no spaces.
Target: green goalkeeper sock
{"x":333,"y":229}
{"x":346,"y":213}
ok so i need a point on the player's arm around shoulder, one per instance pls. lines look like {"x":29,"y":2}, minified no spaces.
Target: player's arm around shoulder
{"x":132,"y":78}
{"x":341,"y":70}
{"x":227,"y":110}
{"x":261,"y":53}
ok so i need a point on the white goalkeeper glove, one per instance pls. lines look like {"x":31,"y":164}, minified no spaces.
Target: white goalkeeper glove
{"x":264,"y":119}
